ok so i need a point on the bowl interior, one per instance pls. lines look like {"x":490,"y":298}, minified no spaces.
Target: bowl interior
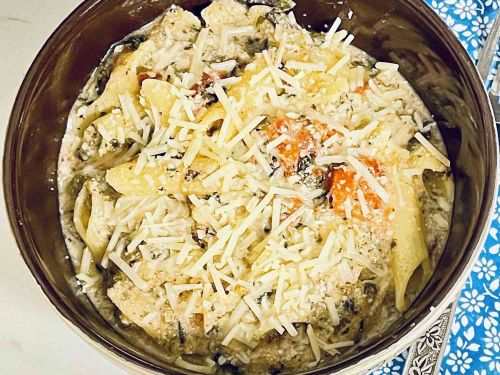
{"x":403,"y":31}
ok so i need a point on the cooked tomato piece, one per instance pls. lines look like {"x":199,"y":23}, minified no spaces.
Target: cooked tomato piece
{"x":342,"y":184}
{"x":372,"y":164}
{"x":142,"y":76}
{"x":324,"y":131}
{"x":300,"y":141}
{"x":200,"y":94}
{"x":361,"y":90}
{"x":206,"y":81}
{"x":296,"y":203}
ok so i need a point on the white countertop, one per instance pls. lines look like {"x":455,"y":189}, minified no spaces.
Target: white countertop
{"x":33,"y":338}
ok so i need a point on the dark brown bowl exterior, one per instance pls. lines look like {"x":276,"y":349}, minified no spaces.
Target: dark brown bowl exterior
{"x":402,"y":31}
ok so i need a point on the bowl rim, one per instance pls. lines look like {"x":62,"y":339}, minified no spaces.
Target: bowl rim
{"x":407,"y":334}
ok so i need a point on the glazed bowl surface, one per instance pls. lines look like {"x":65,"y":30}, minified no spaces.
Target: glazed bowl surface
{"x":406,"y":32}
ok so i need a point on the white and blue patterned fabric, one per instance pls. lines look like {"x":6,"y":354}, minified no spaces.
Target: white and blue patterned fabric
{"x":474,"y":343}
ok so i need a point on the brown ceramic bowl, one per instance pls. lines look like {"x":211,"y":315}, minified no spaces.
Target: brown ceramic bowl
{"x":402,"y":31}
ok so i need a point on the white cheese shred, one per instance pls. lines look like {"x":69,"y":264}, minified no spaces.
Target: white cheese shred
{"x":275,"y":218}
{"x":329,"y":35}
{"x":276,"y":325}
{"x":254,"y":307}
{"x":86,"y":261}
{"x":279,"y":289}
{"x":339,"y":64}
{"x":192,"y":151}
{"x":314,"y":342}
{"x":433,"y":150}
{"x":370,"y":179}
{"x":281,"y":50}
{"x":332,"y":311}
{"x":362,"y":202}
{"x":288,"y":326}
{"x":231,"y":335}
{"x":245,"y":131}
{"x":129,"y":272}
{"x":226,"y":103}
{"x":306,"y":66}
{"x":327,"y":246}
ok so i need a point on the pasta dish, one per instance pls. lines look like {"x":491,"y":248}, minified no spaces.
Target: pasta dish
{"x":250,"y":196}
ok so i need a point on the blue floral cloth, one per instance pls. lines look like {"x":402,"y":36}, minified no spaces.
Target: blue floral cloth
{"x":474,"y":343}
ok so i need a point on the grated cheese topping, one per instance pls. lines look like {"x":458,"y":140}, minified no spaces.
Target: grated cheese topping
{"x":433,"y":150}
{"x":253,"y":191}
{"x":370,"y":179}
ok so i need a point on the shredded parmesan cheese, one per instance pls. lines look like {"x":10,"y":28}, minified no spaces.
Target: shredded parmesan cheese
{"x":339,"y":64}
{"x":245,"y":131}
{"x":332,"y":310}
{"x":362,"y":202}
{"x":253,"y":306}
{"x":433,"y":150}
{"x":370,"y":179}
{"x":333,"y":29}
{"x":314,"y":343}
{"x":127,"y":270}
{"x":305,"y":66}
{"x":226,"y":103}
{"x":231,"y":335}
